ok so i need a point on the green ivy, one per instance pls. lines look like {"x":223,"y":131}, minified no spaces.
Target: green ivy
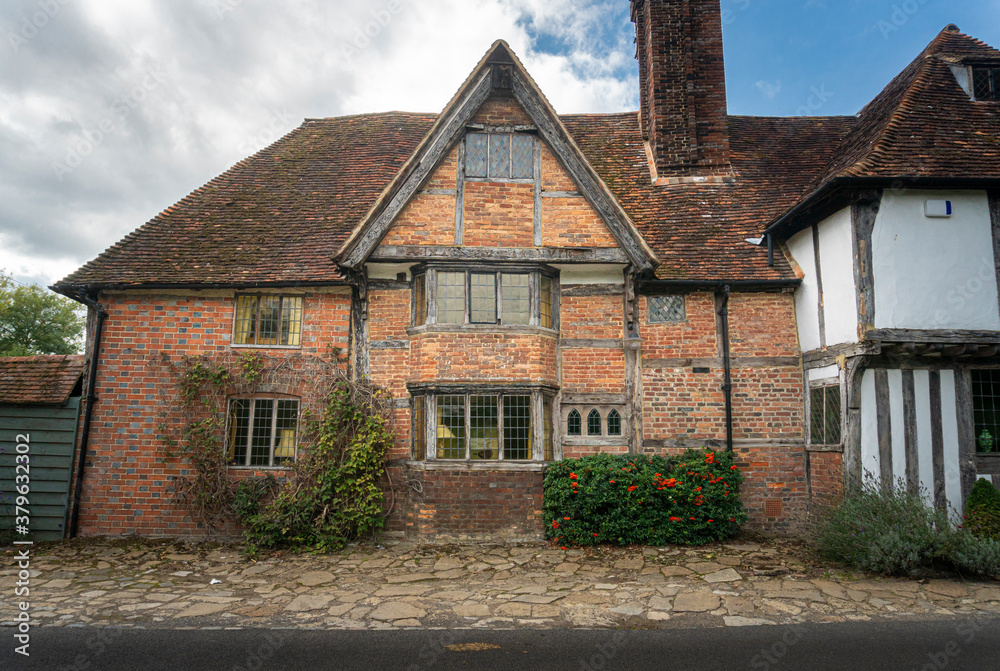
{"x":334,"y":495}
{"x":982,"y":510}
{"x":650,"y":500}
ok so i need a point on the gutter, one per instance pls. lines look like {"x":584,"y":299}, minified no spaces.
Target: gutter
{"x":74,"y":291}
{"x":88,"y":415}
{"x":727,"y":386}
{"x":718,"y":285}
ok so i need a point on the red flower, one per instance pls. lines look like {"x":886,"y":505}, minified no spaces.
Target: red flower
{"x":612,"y":482}
{"x":572,"y":476}
{"x":564,"y":547}
{"x":675,"y":519}
{"x":710,"y":521}
{"x":594,"y":535}
{"x":732,"y":519}
{"x":697,"y":489}
{"x":566,"y":518}
{"x":555,"y":525}
{"x":633,"y":488}
{"x":692,"y":519}
{"x":733,"y":467}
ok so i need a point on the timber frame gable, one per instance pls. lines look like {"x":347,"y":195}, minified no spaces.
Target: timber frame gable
{"x":500,"y":69}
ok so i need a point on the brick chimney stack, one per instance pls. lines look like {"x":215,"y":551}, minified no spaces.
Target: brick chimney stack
{"x":682,"y":78}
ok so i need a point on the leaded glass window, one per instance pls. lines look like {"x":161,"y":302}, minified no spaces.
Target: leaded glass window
{"x":499,"y":156}
{"x":484,"y":427}
{"x":451,"y":427}
{"x":614,"y":423}
{"x":483,"y":292}
{"x":824,"y":415}
{"x":986,"y":83}
{"x":516,"y":298}
{"x":986,"y":409}
{"x":262,"y":431}
{"x":546,"y":302}
{"x":451,"y":298}
{"x":666,"y":309}
{"x":268,"y":320}
{"x":476,"y":154}
{"x":594,"y":423}
{"x":517,"y":427}
{"x":574,"y":424}
{"x":522,"y":157}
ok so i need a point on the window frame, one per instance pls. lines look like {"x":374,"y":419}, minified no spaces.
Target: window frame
{"x":426,"y":280}
{"x":993,"y":73}
{"x":979,"y":411}
{"x":649,"y":309}
{"x":829,"y":389}
{"x":542,"y":439}
{"x":509,"y":177}
{"x":236,"y":331}
{"x":229,"y":428}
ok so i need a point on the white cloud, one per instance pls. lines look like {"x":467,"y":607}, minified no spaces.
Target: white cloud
{"x":232,"y":76}
{"x":768,"y":89}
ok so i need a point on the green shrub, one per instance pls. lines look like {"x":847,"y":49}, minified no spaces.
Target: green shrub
{"x":974,"y":555}
{"x":650,"y":500}
{"x":982,"y":510}
{"x":882,"y":531}
{"x":251,"y":493}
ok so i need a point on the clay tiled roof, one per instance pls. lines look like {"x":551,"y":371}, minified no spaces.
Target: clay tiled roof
{"x":280,"y":216}
{"x":276,"y":217}
{"x":47,"y":380}
{"x":923,"y":124}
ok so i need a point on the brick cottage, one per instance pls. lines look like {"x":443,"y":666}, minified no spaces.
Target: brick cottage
{"x":532,"y":287}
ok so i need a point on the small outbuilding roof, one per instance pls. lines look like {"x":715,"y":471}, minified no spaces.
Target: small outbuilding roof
{"x":44,"y":380}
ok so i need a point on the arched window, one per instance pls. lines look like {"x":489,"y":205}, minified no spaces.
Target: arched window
{"x":594,"y":423}
{"x":574,"y":425}
{"x":614,"y":423}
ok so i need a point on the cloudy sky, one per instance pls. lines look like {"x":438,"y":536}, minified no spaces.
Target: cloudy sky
{"x":112,"y":110}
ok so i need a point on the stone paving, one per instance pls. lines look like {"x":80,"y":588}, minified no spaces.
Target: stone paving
{"x":167,"y":584}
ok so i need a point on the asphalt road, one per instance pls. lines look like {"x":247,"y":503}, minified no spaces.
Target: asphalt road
{"x":869,"y":646}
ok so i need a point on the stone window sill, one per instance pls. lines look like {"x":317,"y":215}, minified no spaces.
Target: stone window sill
{"x":435,"y":465}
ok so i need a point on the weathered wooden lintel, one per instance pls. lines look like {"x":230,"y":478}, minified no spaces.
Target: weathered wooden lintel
{"x":393,"y":253}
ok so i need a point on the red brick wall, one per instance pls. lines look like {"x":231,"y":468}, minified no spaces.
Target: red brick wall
{"x":593,"y":370}
{"x":482,"y":357}
{"x":592,"y":317}
{"x":129,"y":481}
{"x":826,"y":476}
{"x":502,"y":109}
{"x":500,"y":505}
{"x":695,"y":337}
{"x":499,"y":215}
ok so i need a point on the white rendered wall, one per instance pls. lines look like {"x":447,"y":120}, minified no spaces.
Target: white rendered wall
{"x":934,"y":273}
{"x":807,"y":295}
{"x":836,"y":261}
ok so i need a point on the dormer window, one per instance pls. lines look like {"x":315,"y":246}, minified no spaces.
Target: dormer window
{"x":986,"y":83}
{"x":500,"y":156}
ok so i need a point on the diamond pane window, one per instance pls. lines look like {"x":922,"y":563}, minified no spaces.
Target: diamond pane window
{"x":484,"y":428}
{"x":614,"y":423}
{"x":419,"y":427}
{"x":517,"y":427}
{"x":476,"y":154}
{"x":824,"y":415}
{"x":499,"y":156}
{"x":594,"y":423}
{"x":522,"y":157}
{"x":483,"y":290}
{"x":451,"y":427}
{"x":262,"y":432}
{"x":574,"y":424}
{"x":666,"y":309}
{"x":986,"y":83}
{"x":546,"y":302}
{"x":986,"y":409}
{"x":451,"y":298}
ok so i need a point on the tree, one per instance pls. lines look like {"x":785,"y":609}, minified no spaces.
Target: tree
{"x":33,"y":320}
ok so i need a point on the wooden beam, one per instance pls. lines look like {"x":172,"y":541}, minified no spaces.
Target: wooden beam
{"x":821,"y":305}
{"x":925,"y":336}
{"x":592,"y":343}
{"x":573,"y":398}
{"x":389,"y":344}
{"x":829,"y":356}
{"x":416,"y":173}
{"x":717,"y":362}
{"x":718,"y":443}
{"x":864,"y":212}
{"x":460,"y":197}
{"x":393,"y":253}
{"x":536,"y":157}
{"x":910,"y":432}
{"x":594,"y":290}
{"x":937,"y":442}
{"x":882,"y":405}
{"x":966,"y":433}
{"x":561,"y":194}
{"x":590,"y":184}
